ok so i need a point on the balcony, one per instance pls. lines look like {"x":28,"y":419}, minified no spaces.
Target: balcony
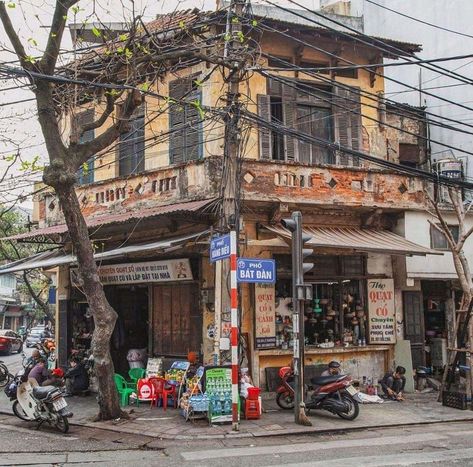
{"x":328,"y":185}
{"x":262,"y":181}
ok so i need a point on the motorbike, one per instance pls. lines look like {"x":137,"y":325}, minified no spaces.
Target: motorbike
{"x":332,"y":393}
{"x":41,"y":404}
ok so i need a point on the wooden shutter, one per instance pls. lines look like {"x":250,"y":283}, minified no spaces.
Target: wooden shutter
{"x":132,"y":146}
{"x":264,"y":112}
{"x":184,"y":143}
{"x":193,"y":130}
{"x":347,"y":118}
{"x":81,"y":119}
{"x":289,"y":113}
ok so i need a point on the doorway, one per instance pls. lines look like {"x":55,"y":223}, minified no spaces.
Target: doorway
{"x":414,"y":326}
{"x":131,"y":328}
{"x":177,"y":320}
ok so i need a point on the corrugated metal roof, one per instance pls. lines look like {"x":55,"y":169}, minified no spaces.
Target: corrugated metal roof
{"x":191,"y":206}
{"x":52,"y":258}
{"x":362,"y":240}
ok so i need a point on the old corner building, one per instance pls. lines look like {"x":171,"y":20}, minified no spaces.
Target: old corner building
{"x":152,"y":209}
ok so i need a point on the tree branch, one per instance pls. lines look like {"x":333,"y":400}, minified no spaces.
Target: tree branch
{"x":445,"y":229}
{"x":14,"y":39}
{"x":49,"y":59}
{"x":84,"y":151}
{"x":37,"y":298}
{"x":103,"y":118}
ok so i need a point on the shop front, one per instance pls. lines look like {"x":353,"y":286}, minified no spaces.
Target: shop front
{"x":355,"y":315}
{"x":157,"y":309}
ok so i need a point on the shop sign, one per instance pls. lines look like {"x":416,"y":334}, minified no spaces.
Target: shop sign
{"x":150,"y":271}
{"x":382,"y":321}
{"x":154,"y":367}
{"x":265,"y":316}
{"x":256,"y":271}
{"x":219,"y":248}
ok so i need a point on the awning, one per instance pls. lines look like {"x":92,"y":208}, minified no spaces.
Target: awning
{"x":52,"y":258}
{"x":135,"y":214}
{"x":362,"y":240}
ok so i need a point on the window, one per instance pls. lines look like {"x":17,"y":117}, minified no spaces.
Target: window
{"x":85,"y":173}
{"x":324,"y":113}
{"x":322,"y":66}
{"x":409,"y":154}
{"x":438,"y":241}
{"x":131,"y":148}
{"x":280,"y":62}
{"x":185,"y":122}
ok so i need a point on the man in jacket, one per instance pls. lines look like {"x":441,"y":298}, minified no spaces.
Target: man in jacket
{"x":393,"y":384}
{"x":77,"y":379}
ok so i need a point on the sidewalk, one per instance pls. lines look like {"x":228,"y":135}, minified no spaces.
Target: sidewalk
{"x":155,"y":422}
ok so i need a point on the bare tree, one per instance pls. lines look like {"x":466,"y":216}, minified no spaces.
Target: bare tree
{"x":462,"y":268}
{"x":65,"y":159}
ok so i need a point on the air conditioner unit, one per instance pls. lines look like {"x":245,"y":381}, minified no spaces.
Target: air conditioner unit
{"x":451,"y":168}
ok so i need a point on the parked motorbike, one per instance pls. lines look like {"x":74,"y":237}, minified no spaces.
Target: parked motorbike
{"x":32,"y":402}
{"x":331,"y":393}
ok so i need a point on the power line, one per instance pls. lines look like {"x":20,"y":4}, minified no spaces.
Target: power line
{"x":282,"y":129}
{"x":420,"y":20}
{"x":367,"y":93}
{"x":370,"y":44}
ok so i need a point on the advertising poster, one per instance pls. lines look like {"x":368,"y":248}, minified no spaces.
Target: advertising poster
{"x":381,"y":312}
{"x":265,"y":314}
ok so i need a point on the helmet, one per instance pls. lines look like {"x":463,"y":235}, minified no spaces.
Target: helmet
{"x":334,"y":364}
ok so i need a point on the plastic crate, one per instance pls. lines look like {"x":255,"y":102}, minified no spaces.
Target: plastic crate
{"x":456,"y":400}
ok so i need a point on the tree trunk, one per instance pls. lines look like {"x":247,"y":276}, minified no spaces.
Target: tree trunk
{"x":104,"y":315}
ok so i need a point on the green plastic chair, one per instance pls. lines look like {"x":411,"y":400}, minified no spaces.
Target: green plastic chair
{"x":123,"y":388}
{"x":135,"y":374}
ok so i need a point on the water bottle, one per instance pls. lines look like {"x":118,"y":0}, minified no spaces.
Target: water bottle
{"x":218,"y":408}
{"x":227,"y":408}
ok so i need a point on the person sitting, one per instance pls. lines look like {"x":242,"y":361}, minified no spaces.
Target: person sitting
{"x":333,"y":369}
{"x":393,"y":384}
{"x":40,"y":371}
{"x":77,"y":379}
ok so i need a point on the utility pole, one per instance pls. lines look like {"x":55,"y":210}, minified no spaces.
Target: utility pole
{"x":300,"y":293}
{"x":231,"y":192}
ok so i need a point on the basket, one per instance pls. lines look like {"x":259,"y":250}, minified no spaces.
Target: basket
{"x":456,"y":400}
{"x":253,"y":393}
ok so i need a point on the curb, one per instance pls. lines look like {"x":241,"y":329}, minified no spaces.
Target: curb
{"x":239,"y":435}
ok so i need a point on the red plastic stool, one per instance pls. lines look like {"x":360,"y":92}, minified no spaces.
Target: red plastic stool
{"x":253,"y":393}
{"x":252,"y":409}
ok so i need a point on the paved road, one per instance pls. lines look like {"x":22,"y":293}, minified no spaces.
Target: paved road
{"x":13,"y":361}
{"x":439,"y":444}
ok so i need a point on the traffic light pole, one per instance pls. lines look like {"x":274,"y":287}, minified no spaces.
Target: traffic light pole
{"x":298,"y":303}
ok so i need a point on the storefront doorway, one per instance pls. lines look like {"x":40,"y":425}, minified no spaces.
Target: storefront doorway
{"x":131,"y":328}
{"x":176,"y":320}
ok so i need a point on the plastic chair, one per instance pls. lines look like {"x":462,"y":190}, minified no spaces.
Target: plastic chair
{"x":135,"y":374}
{"x":124,"y":391}
{"x":163,"y":391}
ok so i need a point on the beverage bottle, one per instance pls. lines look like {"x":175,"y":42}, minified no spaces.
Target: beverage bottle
{"x":218,"y":407}
{"x":227,"y":409}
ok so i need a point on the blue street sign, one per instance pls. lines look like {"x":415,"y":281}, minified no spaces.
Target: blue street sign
{"x":256,"y":270}
{"x":219,"y":248}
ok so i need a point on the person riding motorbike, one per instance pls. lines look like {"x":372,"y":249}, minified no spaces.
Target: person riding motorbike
{"x":333,"y":369}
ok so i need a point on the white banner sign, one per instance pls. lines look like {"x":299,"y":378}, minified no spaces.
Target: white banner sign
{"x":150,"y":271}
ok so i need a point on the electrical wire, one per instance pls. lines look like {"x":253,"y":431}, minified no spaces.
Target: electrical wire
{"x":420,"y":20}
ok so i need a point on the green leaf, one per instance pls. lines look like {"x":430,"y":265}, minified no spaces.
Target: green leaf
{"x":9,"y":158}
{"x":64,"y":17}
{"x":182,"y":25}
{"x":33,"y":42}
{"x":85,"y":168}
{"x":30,"y":59}
{"x":197,"y":105}
{"x":96,"y":32}
{"x":227,"y":37}
{"x":75,"y":9}
{"x":11,"y":5}
{"x":122,"y":37}
{"x":53,"y":34}
{"x":235,"y":20}
{"x":128,"y":53}
{"x":198,"y":82}
{"x":241,"y":36}
{"x":145,"y":87}
{"x":120,"y":50}
{"x":254,"y":23}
